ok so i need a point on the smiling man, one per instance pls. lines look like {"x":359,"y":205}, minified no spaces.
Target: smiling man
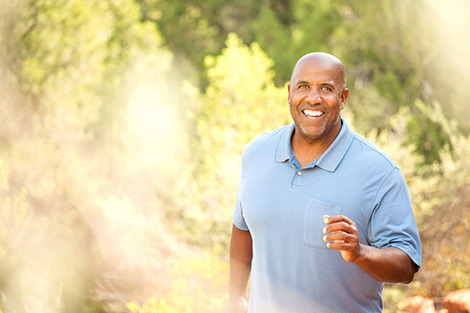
{"x":317,"y":94}
{"x":323,"y":217}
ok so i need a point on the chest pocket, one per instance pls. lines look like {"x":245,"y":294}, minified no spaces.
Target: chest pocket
{"x":313,"y":221}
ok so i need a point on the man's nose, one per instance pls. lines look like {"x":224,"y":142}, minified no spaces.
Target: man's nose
{"x":313,"y":96}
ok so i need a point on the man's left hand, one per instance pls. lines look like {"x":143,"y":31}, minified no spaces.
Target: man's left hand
{"x":341,"y":234}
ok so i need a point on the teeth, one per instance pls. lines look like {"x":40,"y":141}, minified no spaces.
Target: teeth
{"x":311,"y":113}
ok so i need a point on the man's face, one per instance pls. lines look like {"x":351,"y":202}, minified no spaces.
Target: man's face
{"x":316,"y":97}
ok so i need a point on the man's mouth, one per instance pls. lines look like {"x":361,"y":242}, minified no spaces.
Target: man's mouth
{"x":312,"y":113}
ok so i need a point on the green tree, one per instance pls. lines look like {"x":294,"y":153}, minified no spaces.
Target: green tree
{"x":240,"y":102}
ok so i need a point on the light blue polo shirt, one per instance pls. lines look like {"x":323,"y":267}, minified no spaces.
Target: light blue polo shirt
{"x":282,"y":206}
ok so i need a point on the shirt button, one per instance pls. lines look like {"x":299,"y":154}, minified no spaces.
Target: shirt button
{"x":299,"y":173}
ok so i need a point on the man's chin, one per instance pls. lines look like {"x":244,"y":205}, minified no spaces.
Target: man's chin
{"x":311,"y":134}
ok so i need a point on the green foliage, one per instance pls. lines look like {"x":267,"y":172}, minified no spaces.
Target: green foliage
{"x":198,"y":28}
{"x":440,"y":196}
{"x":431,"y":139}
{"x":79,"y":48}
{"x":240,"y":102}
{"x":447,"y":217}
{"x":308,"y":29}
{"x":49,"y":54}
{"x":384,"y":63}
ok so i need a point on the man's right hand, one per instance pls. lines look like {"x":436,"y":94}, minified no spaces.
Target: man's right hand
{"x":237,"y":305}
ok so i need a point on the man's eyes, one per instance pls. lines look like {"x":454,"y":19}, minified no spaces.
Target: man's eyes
{"x":322,"y":88}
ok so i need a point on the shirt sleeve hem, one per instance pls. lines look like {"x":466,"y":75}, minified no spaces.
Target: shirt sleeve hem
{"x":241,"y":227}
{"x":411,"y":253}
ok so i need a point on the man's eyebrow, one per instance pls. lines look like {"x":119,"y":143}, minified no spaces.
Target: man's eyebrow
{"x":302,"y":82}
{"x":327,"y":83}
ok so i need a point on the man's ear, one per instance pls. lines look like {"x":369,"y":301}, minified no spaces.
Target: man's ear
{"x":344,"y":97}
{"x":288,"y":91}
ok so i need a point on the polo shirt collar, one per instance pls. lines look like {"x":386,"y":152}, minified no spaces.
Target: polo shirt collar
{"x":284,"y":148}
{"x":330,"y":159}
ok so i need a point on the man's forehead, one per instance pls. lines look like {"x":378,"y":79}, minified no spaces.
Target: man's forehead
{"x":319,"y":65}
{"x":312,"y":71}
{"x":314,"y":64}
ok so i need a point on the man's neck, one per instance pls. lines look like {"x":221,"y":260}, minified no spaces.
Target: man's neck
{"x":307,"y":151}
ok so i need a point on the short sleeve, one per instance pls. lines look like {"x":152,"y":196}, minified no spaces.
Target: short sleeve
{"x":238,"y":219}
{"x":237,"y":216}
{"x":392,"y":223}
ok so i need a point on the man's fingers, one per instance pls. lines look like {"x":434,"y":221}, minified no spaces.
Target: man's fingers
{"x":340,"y":233}
{"x":335,"y":245}
{"x":340,"y":241}
{"x":337,"y":218}
{"x":339,"y":237}
{"x":339,"y":226}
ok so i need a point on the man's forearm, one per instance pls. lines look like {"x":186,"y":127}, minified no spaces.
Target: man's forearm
{"x":388,"y":265}
{"x":239,"y":275}
{"x":240,"y":262}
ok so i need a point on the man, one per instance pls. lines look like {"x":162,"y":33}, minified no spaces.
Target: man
{"x":323,"y":217}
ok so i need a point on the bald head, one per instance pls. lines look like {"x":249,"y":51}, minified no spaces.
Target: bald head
{"x":324,"y":60}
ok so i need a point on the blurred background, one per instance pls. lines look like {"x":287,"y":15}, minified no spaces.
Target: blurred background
{"x":122,"y":123}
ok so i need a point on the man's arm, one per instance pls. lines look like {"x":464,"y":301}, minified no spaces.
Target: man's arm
{"x":389,"y":265}
{"x":241,"y":254}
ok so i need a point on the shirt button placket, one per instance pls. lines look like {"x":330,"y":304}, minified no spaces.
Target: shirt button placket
{"x":297,"y":178}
